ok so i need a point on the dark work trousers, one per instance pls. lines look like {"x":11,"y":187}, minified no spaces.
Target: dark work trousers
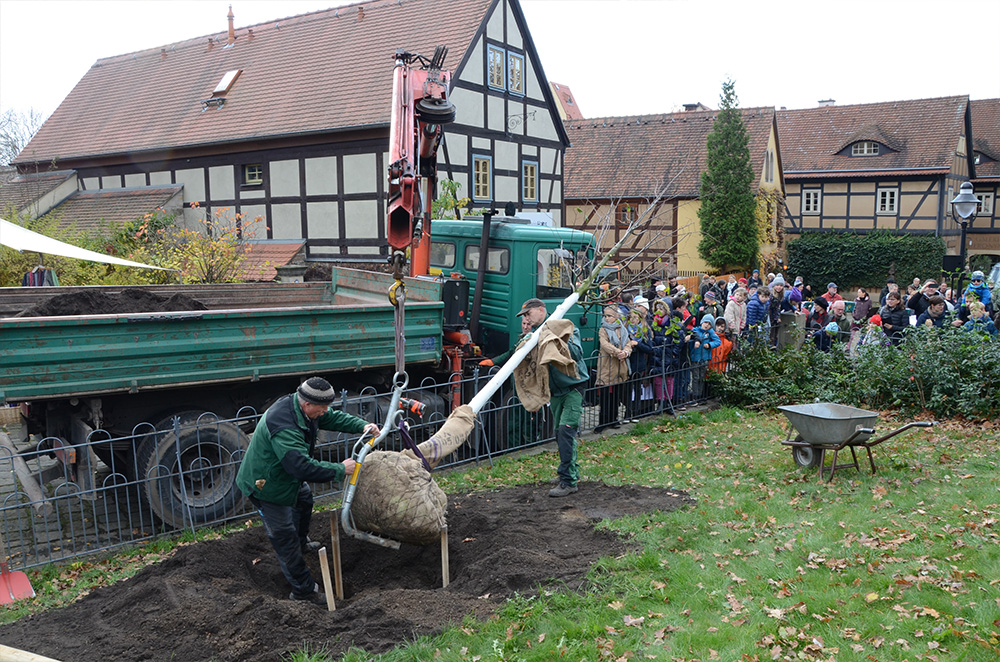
{"x":287,"y":528}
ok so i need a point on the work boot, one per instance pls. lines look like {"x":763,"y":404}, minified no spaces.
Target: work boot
{"x":563,"y":489}
{"x":314,"y":598}
{"x":310,"y":546}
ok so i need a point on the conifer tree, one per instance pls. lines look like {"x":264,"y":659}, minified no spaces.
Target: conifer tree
{"x":728,"y":228}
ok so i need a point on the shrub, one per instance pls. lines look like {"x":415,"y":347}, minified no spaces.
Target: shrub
{"x":851,"y":259}
{"x":949,"y":372}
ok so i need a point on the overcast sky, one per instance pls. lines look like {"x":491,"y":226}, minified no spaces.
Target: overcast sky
{"x":620,"y":57}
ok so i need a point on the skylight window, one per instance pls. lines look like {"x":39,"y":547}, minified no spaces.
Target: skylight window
{"x":226,"y":82}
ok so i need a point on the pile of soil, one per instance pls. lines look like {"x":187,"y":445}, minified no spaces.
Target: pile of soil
{"x":96,"y":302}
{"x":226,"y":600}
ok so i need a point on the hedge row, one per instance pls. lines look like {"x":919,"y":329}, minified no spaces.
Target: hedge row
{"x":948,"y":372}
{"x":851,"y":259}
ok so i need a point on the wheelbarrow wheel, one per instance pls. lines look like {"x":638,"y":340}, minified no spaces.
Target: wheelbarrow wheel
{"x":805,"y":456}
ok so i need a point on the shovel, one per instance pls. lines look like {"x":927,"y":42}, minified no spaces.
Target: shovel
{"x":13,"y":585}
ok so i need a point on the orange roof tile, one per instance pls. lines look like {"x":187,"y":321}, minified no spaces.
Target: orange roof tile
{"x":265,"y":255}
{"x":922,"y":134}
{"x":636,"y":157}
{"x":567,"y":102}
{"x":320,"y":72}
{"x":986,"y":136}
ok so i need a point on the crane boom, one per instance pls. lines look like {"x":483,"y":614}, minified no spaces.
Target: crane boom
{"x":420,"y":106}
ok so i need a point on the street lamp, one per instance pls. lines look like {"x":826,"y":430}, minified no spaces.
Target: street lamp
{"x":963,"y":208}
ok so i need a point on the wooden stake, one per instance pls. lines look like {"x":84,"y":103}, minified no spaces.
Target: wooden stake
{"x":8,"y":654}
{"x":324,"y":566}
{"x":338,"y":574}
{"x":445,"y":578}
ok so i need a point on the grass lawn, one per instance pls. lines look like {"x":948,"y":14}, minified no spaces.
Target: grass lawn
{"x":771,"y":564}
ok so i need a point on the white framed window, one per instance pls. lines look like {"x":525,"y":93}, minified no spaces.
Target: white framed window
{"x":496,"y":67}
{"x":769,"y":166}
{"x":529,"y":181}
{"x":887,"y":201}
{"x":515,"y":73}
{"x":978,"y":158}
{"x":482,"y":178}
{"x":864,"y":148}
{"x":810,"y":201}
{"x":985,"y":204}
{"x":253,"y":174}
{"x":625,"y":214}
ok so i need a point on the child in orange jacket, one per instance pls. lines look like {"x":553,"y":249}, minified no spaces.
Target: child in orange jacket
{"x":720,"y":354}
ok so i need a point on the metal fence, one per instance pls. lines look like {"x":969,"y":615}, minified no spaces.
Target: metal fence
{"x":108,"y":492}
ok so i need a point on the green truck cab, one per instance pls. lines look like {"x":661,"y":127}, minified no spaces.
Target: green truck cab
{"x":522,"y":261}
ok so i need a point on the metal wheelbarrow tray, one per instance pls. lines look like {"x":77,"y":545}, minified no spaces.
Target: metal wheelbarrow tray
{"x":828,"y":426}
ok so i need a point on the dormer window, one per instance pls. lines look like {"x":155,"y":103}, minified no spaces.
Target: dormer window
{"x":978,"y":158}
{"x":864,"y":148}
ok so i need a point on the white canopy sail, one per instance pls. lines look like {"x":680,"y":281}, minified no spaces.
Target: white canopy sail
{"x":22,"y":239}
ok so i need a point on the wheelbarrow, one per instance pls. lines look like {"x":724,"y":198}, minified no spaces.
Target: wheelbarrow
{"x":828,"y":426}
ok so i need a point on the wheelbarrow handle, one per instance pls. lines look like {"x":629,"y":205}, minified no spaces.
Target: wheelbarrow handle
{"x":925,"y":424}
{"x":865,"y":430}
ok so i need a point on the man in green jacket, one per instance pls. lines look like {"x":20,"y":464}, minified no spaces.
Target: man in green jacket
{"x":277,"y":465}
{"x":565,"y":402}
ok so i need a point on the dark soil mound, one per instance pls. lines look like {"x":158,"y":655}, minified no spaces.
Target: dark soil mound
{"x":95,"y":302}
{"x":226,"y":600}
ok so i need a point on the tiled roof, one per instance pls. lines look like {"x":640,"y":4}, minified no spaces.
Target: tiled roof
{"x":638,"y":156}
{"x":22,"y":190}
{"x":86,"y":211}
{"x":922,"y":133}
{"x":265,"y":255}
{"x":318,"y":72}
{"x":986,"y":136}
{"x":566,"y":100}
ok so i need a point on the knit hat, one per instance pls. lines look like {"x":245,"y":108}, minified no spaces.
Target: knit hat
{"x":832,"y":328}
{"x":661,"y":288}
{"x":756,"y":271}
{"x":795,"y":294}
{"x":317,"y":391}
{"x":876,"y":320}
{"x":821,"y":302}
{"x":778,"y":280}
{"x":798,"y":281}
{"x":708,"y":318}
{"x":641,"y":302}
{"x":978,"y":275}
{"x":742,"y":281}
{"x":710,"y":295}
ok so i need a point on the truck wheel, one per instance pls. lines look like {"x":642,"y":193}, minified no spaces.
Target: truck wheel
{"x":805,"y":456}
{"x":191,"y":476}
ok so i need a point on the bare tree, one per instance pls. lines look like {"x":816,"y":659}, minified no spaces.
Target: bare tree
{"x":16,"y":130}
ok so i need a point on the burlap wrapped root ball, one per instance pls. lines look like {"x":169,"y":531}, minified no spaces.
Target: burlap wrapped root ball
{"x":396,"y":496}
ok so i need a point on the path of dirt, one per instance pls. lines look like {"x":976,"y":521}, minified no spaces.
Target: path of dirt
{"x":95,"y":302}
{"x":226,"y":600}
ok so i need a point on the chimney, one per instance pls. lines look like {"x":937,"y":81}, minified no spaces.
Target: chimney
{"x":823,"y":103}
{"x":361,"y":14}
{"x":232,"y":31}
{"x":249,"y":34}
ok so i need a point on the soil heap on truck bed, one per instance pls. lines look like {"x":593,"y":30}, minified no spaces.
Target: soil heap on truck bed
{"x":111,"y":303}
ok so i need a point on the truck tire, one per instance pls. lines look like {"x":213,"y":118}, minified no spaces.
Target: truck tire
{"x":190,"y":476}
{"x":805,"y":456}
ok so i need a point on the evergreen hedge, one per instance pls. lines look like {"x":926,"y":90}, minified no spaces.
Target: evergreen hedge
{"x":851,"y":259}
{"x":947,"y":372}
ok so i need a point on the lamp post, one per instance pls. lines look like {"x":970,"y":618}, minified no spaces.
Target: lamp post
{"x":963,"y":208}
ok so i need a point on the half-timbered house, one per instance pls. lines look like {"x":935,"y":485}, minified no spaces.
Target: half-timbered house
{"x":985,"y":230}
{"x":893,"y":165}
{"x":620,"y":169}
{"x":286,"y":122}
